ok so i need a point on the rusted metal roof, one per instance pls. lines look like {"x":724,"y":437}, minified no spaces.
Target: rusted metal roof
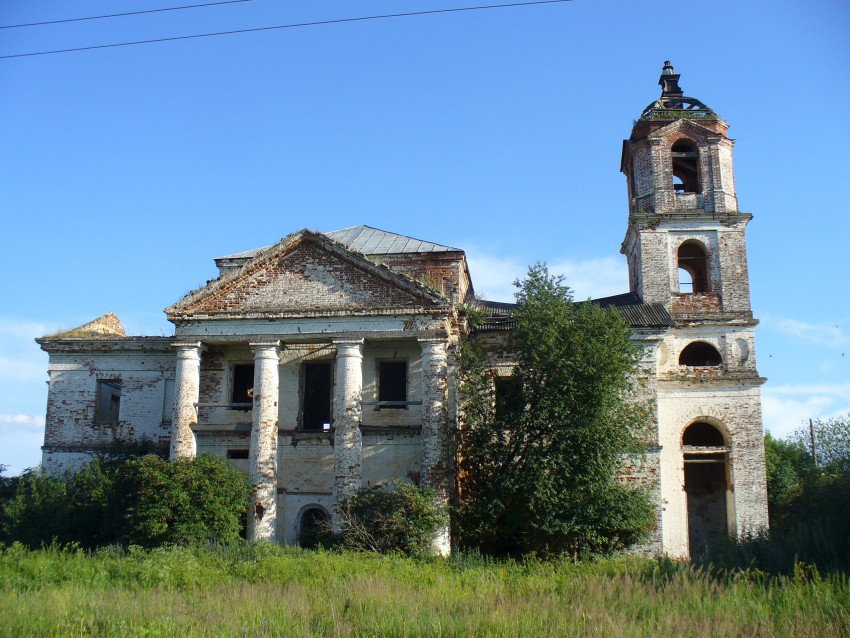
{"x":636,"y":313}
{"x":373,"y":241}
{"x":366,"y":241}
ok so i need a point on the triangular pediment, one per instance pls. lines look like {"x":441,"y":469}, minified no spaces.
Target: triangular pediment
{"x":685,"y":127}
{"x":306,"y":273}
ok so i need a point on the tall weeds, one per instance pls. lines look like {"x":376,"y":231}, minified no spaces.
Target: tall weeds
{"x":261,"y":590}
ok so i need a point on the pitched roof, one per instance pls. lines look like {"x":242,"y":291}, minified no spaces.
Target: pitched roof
{"x":636,"y":313}
{"x":373,"y":241}
{"x":233,"y":294}
{"x":366,"y":241}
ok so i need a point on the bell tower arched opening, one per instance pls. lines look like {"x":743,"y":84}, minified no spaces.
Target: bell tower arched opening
{"x":700,"y":354}
{"x":693,"y":259}
{"x":706,"y":462}
{"x":685,"y":155}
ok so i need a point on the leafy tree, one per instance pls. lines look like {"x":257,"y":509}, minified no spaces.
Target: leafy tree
{"x":832,"y":440}
{"x":788,"y":466}
{"x":538,"y":460}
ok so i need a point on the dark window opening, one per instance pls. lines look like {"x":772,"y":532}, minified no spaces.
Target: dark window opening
{"x":700,"y":354}
{"x":108,"y":399}
{"x":508,"y":398}
{"x":237,"y":454}
{"x":694,"y":261}
{"x":316,"y":406}
{"x":243,"y":384}
{"x":685,"y":167}
{"x":703,"y":435}
{"x":392,"y":385}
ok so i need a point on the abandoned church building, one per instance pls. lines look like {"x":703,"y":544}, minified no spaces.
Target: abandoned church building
{"x":326,"y":362}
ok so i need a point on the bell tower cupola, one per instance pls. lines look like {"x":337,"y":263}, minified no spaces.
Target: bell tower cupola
{"x":685,"y":242}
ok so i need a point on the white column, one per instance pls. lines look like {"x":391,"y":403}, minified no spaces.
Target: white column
{"x":435,"y":471}
{"x":263,"y":453}
{"x":347,"y":410}
{"x":186,"y":394}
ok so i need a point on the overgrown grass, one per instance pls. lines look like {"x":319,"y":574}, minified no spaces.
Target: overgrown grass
{"x":269,"y":591}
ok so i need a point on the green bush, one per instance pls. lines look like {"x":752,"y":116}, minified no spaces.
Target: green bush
{"x":200,"y":499}
{"x":145,"y":501}
{"x":39,"y":511}
{"x":400,"y":518}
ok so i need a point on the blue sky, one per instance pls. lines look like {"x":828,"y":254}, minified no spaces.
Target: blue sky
{"x":124,"y":171}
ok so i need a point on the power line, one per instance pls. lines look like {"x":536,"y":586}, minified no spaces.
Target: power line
{"x":121,"y":15}
{"x":286,"y":26}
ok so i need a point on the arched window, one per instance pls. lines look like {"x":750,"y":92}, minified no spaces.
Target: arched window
{"x":702,"y":434}
{"x":694,"y":261}
{"x":700,"y":353}
{"x":685,"y":167}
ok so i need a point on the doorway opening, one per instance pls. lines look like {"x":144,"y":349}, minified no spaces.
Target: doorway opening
{"x":706,"y":460}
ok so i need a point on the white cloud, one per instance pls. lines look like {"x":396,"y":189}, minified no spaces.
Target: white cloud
{"x":593,"y":278}
{"x":21,"y":423}
{"x":493,"y":277}
{"x":21,"y":436}
{"x":827,"y":334}
{"x":26,"y":367}
{"x":21,"y":330}
{"x":786,"y":408}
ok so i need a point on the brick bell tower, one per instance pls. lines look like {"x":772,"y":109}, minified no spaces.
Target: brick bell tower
{"x":686,"y":249}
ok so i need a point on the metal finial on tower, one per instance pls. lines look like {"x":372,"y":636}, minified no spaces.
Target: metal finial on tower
{"x":669,"y":81}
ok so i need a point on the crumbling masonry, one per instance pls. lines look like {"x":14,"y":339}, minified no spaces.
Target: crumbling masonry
{"x":325,"y":362}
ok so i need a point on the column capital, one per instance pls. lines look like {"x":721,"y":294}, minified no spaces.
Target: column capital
{"x":433,"y":345}
{"x":348,"y":342}
{"x":349,"y":347}
{"x":188,"y":345}
{"x":265,"y":343}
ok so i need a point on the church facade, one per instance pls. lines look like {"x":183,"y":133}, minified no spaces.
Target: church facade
{"x":326,"y":362}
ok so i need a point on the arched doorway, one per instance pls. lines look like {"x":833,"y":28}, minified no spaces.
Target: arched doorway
{"x":313,"y":525}
{"x":706,"y":459}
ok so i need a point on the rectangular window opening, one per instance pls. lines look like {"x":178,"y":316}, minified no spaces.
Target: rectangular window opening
{"x":242,"y":391}
{"x":241,"y":453}
{"x":316,"y":397}
{"x":392,"y":385}
{"x":508,"y":397}
{"x":108,"y":401}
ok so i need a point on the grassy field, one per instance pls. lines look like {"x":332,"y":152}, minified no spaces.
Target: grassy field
{"x":268,"y":591}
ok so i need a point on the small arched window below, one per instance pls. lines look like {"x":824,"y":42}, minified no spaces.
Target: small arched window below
{"x":694,"y":261}
{"x":700,"y":353}
{"x":702,"y":434}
